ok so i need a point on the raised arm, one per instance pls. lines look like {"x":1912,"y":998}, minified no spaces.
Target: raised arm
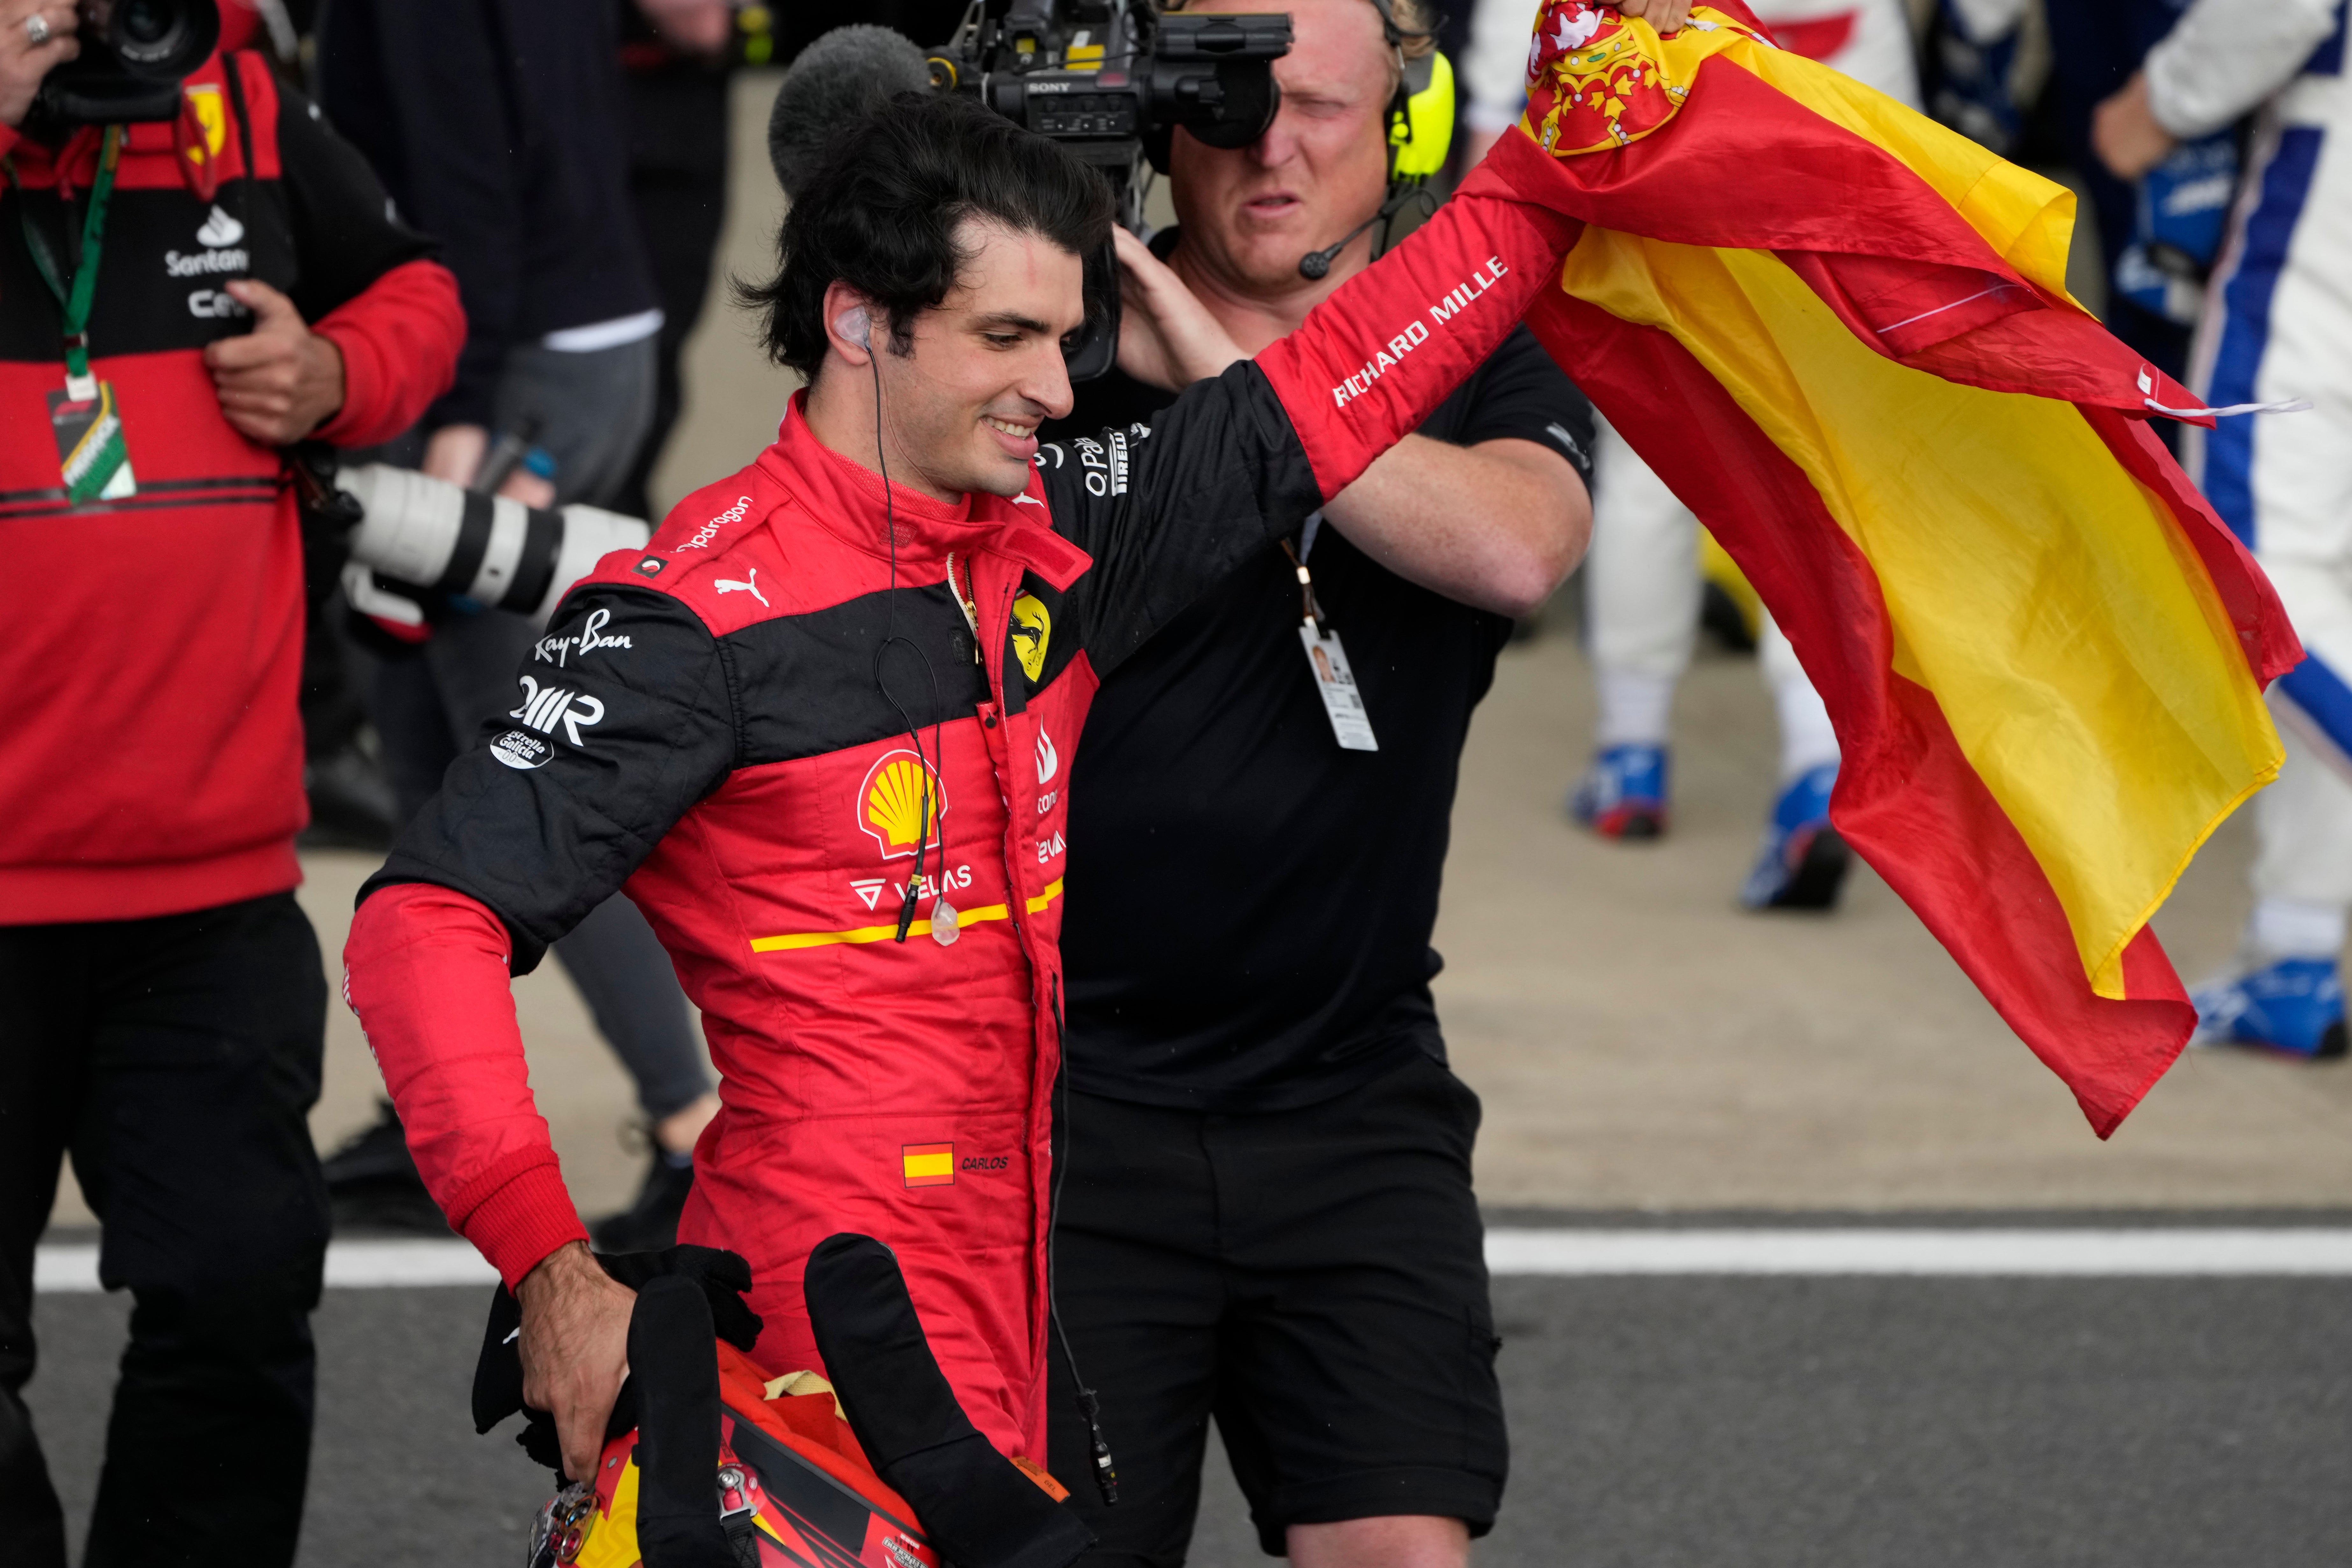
{"x":1239,"y":460}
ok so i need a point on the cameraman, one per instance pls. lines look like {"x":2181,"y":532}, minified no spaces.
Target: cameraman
{"x":1267,"y":1211}
{"x":833,"y":695}
{"x":162,"y":993}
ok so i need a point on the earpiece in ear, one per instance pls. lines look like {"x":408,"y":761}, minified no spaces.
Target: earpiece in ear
{"x":857,"y":326}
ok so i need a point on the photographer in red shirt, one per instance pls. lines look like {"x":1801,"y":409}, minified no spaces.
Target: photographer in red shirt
{"x":164,"y":998}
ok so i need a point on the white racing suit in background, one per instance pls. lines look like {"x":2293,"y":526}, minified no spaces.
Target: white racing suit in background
{"x":1642,"y":577}
{"x":2278,"y":327}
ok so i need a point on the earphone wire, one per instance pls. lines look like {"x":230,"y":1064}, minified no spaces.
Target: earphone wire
{"x":927,"y":766}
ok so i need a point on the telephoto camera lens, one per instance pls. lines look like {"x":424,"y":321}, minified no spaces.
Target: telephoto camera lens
{"x":429,"y":533}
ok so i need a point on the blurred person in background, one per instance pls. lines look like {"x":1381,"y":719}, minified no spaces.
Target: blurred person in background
{"x":164,"y":1001}
{"x":2159,"y":227}
{"x":2278,"y":329}
{"x":675,"y":54}
{"x":1266,"y":1211}
{"x":501,"y":127}
{"x":1643,"y":585}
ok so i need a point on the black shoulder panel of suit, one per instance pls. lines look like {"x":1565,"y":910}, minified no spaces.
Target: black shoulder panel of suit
{"x":629,"y":711}
{"x":605,"y":748}
{"x":1169,"y":507}
{"x":808,"y":681}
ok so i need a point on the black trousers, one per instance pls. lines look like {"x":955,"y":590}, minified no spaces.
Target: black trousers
{"x":1314,"y":1279}
{"x":176,"y":1060}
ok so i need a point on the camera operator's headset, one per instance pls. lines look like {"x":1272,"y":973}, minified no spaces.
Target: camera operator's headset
{"x":1420,"y":130}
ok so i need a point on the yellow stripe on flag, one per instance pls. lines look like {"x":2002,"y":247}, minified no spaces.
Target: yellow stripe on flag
{"x":928,"y":1164}
{"x":2051,"y":605}
{"x":2029,"y":221}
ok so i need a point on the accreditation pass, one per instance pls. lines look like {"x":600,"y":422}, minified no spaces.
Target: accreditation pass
{"x":1343,"y":698}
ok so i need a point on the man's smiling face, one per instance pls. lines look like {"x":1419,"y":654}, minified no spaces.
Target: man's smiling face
{"x":1319,"y":169}
{"x":986,"y":368}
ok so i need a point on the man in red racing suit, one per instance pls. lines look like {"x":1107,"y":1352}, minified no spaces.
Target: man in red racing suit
{"x":702,"y":727}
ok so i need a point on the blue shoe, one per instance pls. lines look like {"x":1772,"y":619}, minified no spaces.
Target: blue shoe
{"x":1625,"y":794}
{"x":2295,"y":1006}
{"x":1803,"y":864}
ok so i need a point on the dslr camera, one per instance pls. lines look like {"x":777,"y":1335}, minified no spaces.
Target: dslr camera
{"x":135,"y":55}
{"x":1111,"y":81}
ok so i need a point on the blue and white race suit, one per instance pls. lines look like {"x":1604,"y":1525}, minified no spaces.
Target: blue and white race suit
{"x":2278,"y":327}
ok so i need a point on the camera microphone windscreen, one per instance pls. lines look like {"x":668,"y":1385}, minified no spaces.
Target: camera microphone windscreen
{"x":837,"y":80}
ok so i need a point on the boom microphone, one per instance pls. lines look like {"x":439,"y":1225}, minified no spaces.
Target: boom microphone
{"x":1317,"y":264}
{"x":837,"y":80}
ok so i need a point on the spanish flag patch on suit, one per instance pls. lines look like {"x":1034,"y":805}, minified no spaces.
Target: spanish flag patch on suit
{"x":928,"y":1164}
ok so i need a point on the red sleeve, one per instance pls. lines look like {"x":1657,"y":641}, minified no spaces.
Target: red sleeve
{"x":1374,"y":359}
{"x":425,"y":973}
{"x":399,"y":340}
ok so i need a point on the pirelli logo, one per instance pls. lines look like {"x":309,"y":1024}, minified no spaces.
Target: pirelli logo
{"x":928,"y":1164}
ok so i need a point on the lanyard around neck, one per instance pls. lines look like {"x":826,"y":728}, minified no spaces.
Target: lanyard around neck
{"x":74,"y":299}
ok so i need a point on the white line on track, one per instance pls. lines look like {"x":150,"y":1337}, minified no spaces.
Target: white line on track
{"x":351,"y":1266}
{"x":2177,"y":1251}
{"x":2077,"y":1253}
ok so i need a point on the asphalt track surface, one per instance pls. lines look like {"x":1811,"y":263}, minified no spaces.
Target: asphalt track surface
{"x":1667,"y":1419}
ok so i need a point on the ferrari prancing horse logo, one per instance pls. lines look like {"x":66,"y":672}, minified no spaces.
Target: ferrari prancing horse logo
{"x":1031,"y":628}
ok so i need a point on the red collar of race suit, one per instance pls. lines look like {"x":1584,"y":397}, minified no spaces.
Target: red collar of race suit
{"x":848,"y":500}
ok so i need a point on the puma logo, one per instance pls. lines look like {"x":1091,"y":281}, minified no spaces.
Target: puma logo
{"x":727,"y":585}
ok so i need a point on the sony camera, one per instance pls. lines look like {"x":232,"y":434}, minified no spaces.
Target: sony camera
{"x":1111,"y":81}
{"x":134,"y":56}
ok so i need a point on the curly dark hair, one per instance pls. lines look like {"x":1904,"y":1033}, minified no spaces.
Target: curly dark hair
{"x":882,"y":211}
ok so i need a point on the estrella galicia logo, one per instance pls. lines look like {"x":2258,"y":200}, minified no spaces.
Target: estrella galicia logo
{"x":520,"y":749}
{"x":544,"y":708}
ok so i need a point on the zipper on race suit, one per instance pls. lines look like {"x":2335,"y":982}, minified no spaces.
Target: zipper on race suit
{"x":966,"y":601}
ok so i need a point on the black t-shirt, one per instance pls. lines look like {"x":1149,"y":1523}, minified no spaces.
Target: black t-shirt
{"x":1249,"y":906}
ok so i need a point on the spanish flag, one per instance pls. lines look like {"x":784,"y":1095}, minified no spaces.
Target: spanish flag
{"x":1842,"y":334}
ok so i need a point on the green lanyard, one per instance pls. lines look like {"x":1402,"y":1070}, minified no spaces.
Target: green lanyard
{"x":73,"y":300}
